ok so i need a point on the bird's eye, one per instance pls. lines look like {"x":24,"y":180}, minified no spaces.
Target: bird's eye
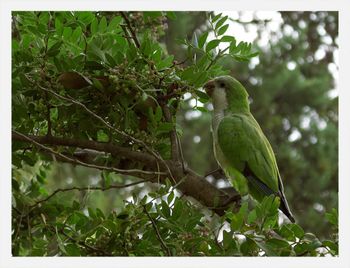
{"x":222,"y":84}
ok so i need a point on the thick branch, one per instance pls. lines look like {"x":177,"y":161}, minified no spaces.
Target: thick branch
{"x":188,"y":182}
{"x":89,"y":144}
{"x":133,"y":172}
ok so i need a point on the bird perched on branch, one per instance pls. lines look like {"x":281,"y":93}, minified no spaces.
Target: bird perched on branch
{"x":240,"y":147}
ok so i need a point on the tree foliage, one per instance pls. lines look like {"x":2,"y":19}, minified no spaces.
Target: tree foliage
{"x":101,"y":90}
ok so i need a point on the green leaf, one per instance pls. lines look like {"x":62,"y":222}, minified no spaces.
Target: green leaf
{"x":215,"y":18}
{"x":202,"y":95}
{"x":248,"y":247}
{"x":251,"y":217}
{"x":97,"y":52}
{"x":220,"y":22}
{"x":165,"y":209}
{"x":171,"y":15}
{"x":76,"y":35}
{"x":54,"y":49}
{"x":223,"y":29}
{"x":237,"y":219}
{"x":187,"y":73}
{"x":67,"y":33}
{"x":229,"y":242}
{"x":277,"y":243}
{"x":61,"y":245}
{"x":212,"y":44}
{"x":165,"y":127}
{"x":103,"y":25}
{"x":58,"y":26}
{"x":102,"y":136}
{"x":153,"y":14}
{"x":286,"y":233}
{"x":297,"y":230}
{"x":110,"y":60}
{"x":86,"y":17}
{"x":158,"y":114}
{"x":178,"y":209}
{"x":114,"y":23}
{"x":179,"y":130}
{"x":72,"y":250}
{"x":123,"y":215}
{"x":202,"y":39}
{"x":54,"y":114}
{"x":97,"y":84}
{"x":92,"y":213}
{"x":332,"y":216}
{"x":202,"y":109}
{"x":228,"y":38}
{"x":94,"y":26}
{"x":301,"y":248}
{"x":331,"y":245}
{"x":167,"y":62}
{"x":269,"y":251}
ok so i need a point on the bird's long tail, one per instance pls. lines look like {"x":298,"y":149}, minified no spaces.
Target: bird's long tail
{"x":285,"y":208}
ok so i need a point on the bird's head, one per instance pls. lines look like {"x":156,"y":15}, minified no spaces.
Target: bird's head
{"x":226,"y":92}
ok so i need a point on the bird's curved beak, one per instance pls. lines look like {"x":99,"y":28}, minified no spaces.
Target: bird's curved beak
{"x":209,"y":87}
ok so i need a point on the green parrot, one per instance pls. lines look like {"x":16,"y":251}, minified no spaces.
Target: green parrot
{"x":240,"y":146}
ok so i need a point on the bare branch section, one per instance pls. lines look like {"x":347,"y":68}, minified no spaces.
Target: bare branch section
{"x":89,"y":144}
{"x":133,"y":172}
{"x":189,"y":183}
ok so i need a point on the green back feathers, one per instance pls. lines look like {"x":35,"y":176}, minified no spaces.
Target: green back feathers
{"x":243,"y":143}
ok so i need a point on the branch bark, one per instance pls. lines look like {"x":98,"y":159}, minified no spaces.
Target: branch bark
{"x":188,"y":182}
{"x":89,"y":144}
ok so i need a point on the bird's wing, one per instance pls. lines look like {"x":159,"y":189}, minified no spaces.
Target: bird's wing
{"x":243,"y":144}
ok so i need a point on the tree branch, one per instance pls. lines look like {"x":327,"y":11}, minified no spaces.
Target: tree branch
{"x":133,"y":172}
{"x":131,"y":29}
{"x":154,"y":225}
{"x":89,"y":144}
{"x":189,"y":183}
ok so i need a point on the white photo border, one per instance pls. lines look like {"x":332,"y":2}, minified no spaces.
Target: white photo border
{"x":6,"y":7}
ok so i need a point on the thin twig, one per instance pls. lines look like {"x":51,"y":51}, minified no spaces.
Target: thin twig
{"x":81,"y":243}
{"x":86,"y":189}
{"x":132,"y":31}
{"x":126,"y":34}
{"x":135,"y":172}
{"x":164,"y":246}
{"x":213,"y":61}
{"x":181,"y":154}
{"x":176,"y":149}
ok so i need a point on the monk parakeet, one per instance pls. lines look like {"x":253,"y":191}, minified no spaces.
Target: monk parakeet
{"x":240,"y":147}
